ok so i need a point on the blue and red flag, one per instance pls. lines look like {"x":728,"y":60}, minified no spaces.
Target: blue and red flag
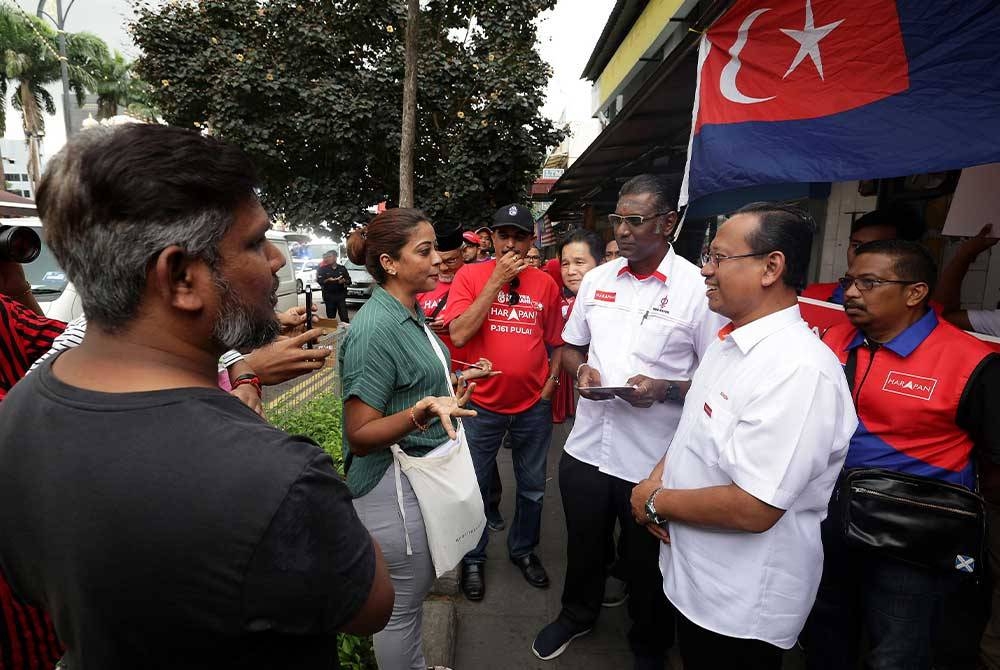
{"x":834,"y":90}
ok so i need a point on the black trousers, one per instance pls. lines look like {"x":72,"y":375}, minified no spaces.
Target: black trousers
{"x":336,"y":304}
{"x":704,"y":650}
{"x":593,"y":501}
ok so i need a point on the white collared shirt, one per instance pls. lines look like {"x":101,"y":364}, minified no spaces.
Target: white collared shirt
{"x":659,"y":327}
{"x":770,"y":411}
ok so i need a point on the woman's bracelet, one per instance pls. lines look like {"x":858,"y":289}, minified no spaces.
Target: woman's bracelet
{"x":422,"y":427}
{"x":578,"y":368}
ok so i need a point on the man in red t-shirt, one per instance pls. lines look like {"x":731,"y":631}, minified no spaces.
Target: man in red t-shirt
{"x":509,"y":312}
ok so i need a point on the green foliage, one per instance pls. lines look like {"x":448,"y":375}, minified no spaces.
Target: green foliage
{"x":29,"y":61}
{"x":319,"y":419}
{"x":313,"y":91}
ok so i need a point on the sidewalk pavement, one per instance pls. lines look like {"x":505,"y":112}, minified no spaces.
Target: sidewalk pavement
{"x":496,"y":633}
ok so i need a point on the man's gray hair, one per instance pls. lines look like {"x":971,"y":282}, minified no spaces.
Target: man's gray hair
{"x":114,"y":198}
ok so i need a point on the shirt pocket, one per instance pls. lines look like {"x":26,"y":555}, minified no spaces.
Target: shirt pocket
{"x":713,"y":430}
{"x":661,"y":335}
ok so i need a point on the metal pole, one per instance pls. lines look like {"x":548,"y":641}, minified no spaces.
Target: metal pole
{"x":63,"y":69}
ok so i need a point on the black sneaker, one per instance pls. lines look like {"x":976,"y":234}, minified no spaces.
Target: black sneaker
{"x":554,"y":639}
{"x":615,"y":592}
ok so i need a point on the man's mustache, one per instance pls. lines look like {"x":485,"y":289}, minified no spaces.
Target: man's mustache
{"x":850,"y":304}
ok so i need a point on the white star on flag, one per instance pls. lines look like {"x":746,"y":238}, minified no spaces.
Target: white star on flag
{"x":808,"y":39}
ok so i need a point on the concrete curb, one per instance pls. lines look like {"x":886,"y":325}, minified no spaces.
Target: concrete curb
{"x":440,"y":628}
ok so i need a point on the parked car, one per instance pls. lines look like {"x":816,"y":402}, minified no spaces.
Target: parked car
{"x":58,"y":297}
{"x":361,"y":286}
{"x":305,"y":275}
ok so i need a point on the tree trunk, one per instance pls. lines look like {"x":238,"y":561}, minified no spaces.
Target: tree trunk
{"x":408,"y":135}
{"x":3,"y":175}
{"x":30,"y":116}
{"x":107,"y":107}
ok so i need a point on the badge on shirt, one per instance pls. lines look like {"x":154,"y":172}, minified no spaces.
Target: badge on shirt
{"x":605,"y":296}
{"x":910,"y":385}
{"x":661,"y":306}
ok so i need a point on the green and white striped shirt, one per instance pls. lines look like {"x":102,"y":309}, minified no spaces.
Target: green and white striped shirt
{"x":387,"y":362}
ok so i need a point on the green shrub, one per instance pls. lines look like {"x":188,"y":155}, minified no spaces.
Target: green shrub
{"x":319,"y":420}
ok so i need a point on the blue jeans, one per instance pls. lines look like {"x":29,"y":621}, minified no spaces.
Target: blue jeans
{"x":530,"y":436}
{"x":897,"y":605}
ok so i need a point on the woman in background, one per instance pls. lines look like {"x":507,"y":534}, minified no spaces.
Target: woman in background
{"x":579,"y":253}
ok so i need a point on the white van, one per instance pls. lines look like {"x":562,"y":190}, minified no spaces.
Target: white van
{"x":59,"y":299}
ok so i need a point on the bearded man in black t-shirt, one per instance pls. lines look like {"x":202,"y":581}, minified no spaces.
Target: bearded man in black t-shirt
{"x":157,"y":519}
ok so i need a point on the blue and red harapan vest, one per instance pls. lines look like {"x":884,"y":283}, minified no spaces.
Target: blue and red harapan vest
{"x":907,"y":395}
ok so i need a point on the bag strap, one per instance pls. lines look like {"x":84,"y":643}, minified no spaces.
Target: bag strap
{"x":440,"y":306}
{"x":441,"y":357}
{"x":851,"y":368}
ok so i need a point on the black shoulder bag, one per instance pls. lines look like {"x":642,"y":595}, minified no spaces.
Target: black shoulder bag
{"x":919,"y":520}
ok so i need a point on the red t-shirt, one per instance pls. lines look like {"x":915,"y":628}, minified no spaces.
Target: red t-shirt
{"x":513,"y":338}
{"x":428,"y":303}
{"x":24,"y":337}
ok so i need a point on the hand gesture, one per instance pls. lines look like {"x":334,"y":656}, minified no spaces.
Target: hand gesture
{"x":589,"y":376}
{"x":482,"y":368}
{"x":446,"y":407}
{"x":285,"y":358}
{"x":508,"y":267}
{"x":644,"y":392}
{"x":974,"y":246}
{"x":293,"y":320}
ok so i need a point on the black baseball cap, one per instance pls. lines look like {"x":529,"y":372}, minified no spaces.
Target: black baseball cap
{"x":514,"y":215}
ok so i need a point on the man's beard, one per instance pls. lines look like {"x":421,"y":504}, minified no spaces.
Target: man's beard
{"x":238,"y":325}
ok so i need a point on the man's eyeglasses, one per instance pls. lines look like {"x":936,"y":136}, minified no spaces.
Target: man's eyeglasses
{"x":451,"y":262}
{"x":512,"y":297}
{"x":633,"y":220}
{"x":867,"y":283}
{"x":709,"y":258}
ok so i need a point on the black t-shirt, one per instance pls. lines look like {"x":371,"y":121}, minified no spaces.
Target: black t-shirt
{"x":175,"y":529}
{"x":325,"y":272}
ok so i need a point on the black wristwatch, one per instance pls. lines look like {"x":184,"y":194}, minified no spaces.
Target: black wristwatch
{"x":651,"y":514}
{"x":673,"y":393}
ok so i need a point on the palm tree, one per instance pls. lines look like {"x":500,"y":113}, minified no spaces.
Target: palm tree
{"x":29,"y":62}
{"x":112,"y":84}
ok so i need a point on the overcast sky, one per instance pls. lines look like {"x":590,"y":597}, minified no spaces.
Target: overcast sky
{"x":567,"y":35}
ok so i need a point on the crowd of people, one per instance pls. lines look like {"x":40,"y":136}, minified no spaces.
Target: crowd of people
{"x":156,"y":519}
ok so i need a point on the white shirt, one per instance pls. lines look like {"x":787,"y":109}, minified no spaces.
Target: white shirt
{"x":769,"y":410}
{"x":985,"y":321}
{"x":658,"y":327}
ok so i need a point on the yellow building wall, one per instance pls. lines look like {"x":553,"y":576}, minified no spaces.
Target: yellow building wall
{"x":647,"y":28}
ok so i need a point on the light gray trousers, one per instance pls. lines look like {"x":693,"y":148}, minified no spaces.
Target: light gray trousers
{"x":398,"y":646}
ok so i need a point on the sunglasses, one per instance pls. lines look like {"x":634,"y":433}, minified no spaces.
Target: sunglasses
{"x":512,"y":297}
{"x":633,"y":220}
